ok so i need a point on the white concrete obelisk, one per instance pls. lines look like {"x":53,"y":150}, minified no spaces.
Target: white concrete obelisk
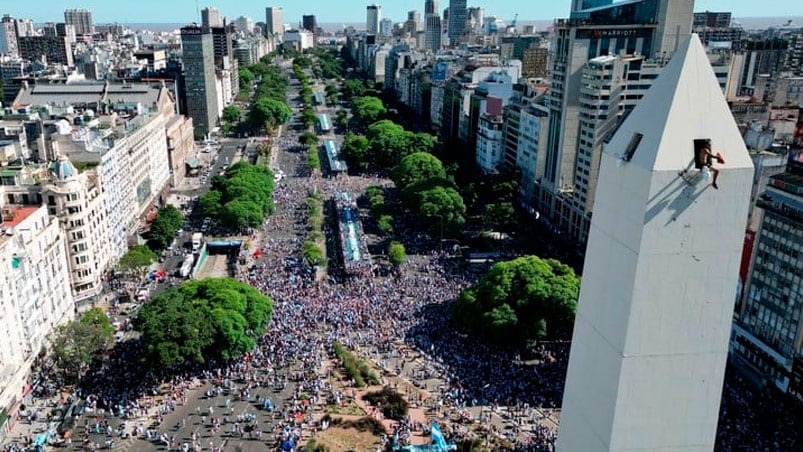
{"x":651,"y":337}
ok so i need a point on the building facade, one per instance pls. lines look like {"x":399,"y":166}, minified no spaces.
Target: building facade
{"x":768,"y":333}
{"x":199,"y":78}
{"x":274,"y":22}
{"x":373,"y":18}
{"x":81,"y":19}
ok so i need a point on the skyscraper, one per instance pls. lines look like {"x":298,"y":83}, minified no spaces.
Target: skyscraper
{"x":476,"y":19}
{"x":413,"y":23}
{"x":210,"y":17}
{"x":373,"y":18}
{"x":310,"y":23}
{"x":767,"y":333}
{"x":430,"y":7}
{"x":81,"y":19}
{"x":386,"y":27}
{"x":273,"y":21}
{"x":432,"y":33}
{"x":199,"y":77}
{"x":457,"y":21}
{"x":8,"y":37}
{"x":650,"y":338}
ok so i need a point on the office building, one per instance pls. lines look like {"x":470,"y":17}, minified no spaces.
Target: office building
{"x":373,"y":18}
{"x":712,"y":19}
{"x":274,"y":22}
{"x":310,"y":23}
{"x":413,"y":23}
{"x":199,"y":77}
{"x":430,"y":7}
{"x":768,"y":333}
{"x":81,"y":19}
{"x":52,"y":49}
{"x":385,"y":27}
{"x":210,"y":17}
{"x":476,"y":20}
{"x":244,"y":24}
{"x":650,"y":340}
{"x":67,"y":31}
{"x":457,"y":21}
{"x":8,"y":37}
{"x":652,"y":28}
{"x":432,"y":33}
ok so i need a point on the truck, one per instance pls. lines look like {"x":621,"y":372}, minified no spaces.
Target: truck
{"x":197,"y":238}
{"x":186,"y":266}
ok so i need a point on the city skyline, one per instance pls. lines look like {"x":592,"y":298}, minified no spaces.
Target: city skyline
{"x":181,"y":11}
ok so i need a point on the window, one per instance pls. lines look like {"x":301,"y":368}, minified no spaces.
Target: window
{"x":632,"y":146}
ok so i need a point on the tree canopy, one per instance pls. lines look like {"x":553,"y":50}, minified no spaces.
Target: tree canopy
{"x":396,"y":253}
{"x":390,"y":143}
{"x":417,"y":167}
{"x":164,"y":228}
{"x":269,"y":113}
{"x":241,"y":197}
{"x":136,"y":260}
{"x":356,"y":151}
{"x":519,"y":301}
{"x":367,"y":110}
{"x":231,"y":113}
{"x":212,"y":318}
{"x":77,"y":343}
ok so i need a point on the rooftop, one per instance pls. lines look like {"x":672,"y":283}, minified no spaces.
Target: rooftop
{"x":14,"y":215}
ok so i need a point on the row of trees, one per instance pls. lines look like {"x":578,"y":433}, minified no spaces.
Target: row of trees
{"x":375,"y":196}
{"x":520,"y":301}
{"x":201,"y":320}
{"x":384,"y":145}
{"x":314,"y":246}
{"x":163,"y":230}
{"x":269,"y":109}
{"x":241,"y":197}
{"x":355,"y":368}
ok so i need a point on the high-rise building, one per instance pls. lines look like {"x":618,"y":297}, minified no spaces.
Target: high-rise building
{"x":310,"y":23}
{"x":8,"y":36}
{"x":67,"y":31}
{"x":210,"y":17}
{"x":476,"y":20}
{"x":413,"y":23}
{"x":386,"y":27}
{"x":767,"y":341}
{"x":81,"y":19}
{"x":432,"y":33}
{"x":650,"y":339}
{"x":578,"y":5}
{"x":651,"y":28}
{"x":430,"y":7}
{"x":244,"y":24}
{"x":54,"y":49}
{"x":712,"y":19}
{"x":199,"y":77}
{"x":373,"y":18}
{"x":457,"y":21}
{"x":274,"y":21}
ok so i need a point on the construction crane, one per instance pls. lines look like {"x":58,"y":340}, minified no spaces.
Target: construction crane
{"x":515,"y":20}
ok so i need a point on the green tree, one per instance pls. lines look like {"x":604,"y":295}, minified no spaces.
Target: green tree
{"x":231,"y":114}
{"x":210,"y":203}
{"x":308,"y":139}
{"x":417,"y":167}
{"x":77,"y":343}
{"x":212,"y":318}
{"x":246,"y":77}
{"x":367,"y":110}
{"x":164,"y":228}
{"x":269,"y":113}
{"x":385,"y":224}
{"x":353,"y":88}
{"x":519,"y":301}
{"x":242,"y":213}
{"x":356,"y":151}
{"x":136,"y":260}
{"x":442,"y":207}
{"x":342,"y":119}
{"x":499,"y":216}
{"x":308,"y":117}
{"x":390,"y":143}
{"x":397,"y":255}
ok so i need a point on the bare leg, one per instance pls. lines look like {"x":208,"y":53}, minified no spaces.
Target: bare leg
{"x":716,"y":174}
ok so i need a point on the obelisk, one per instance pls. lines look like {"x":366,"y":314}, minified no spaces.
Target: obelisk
{"x":654,"y":317}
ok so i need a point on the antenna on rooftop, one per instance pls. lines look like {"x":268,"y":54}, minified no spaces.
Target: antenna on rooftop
{"x":198,"y":10}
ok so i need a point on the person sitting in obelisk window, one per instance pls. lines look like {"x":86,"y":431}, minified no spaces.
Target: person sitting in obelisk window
{"x":704,"y":161}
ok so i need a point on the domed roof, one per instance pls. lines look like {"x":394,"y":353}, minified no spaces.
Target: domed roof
{"x":63,"y":169}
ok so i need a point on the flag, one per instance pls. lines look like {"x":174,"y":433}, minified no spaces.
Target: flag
{"x":437,"y":436}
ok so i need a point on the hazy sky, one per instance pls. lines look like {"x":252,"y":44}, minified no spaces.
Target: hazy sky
{"x":179,"y":11}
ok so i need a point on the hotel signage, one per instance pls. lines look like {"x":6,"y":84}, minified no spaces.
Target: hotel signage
{"x":588,"y":33}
